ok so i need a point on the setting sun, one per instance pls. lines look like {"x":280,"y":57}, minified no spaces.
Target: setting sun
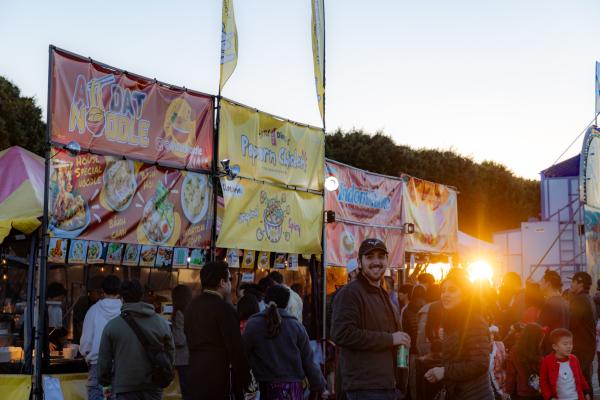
{"x":480,"y":270}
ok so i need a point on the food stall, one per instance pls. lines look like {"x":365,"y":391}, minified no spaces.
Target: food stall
{"x":20,"y":209}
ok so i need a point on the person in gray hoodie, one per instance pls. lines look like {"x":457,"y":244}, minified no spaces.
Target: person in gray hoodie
{"x":94,"y":322}
{"x":122,"y":352}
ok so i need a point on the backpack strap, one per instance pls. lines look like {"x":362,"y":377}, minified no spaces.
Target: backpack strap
{"x":136,"y":329}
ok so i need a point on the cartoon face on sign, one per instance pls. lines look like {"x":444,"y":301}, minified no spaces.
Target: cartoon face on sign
{"x":273,"y":216}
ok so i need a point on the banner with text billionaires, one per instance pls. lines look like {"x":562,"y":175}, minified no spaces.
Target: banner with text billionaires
{"x":110,"y":199}
{"x":271,"y":149}
{"x":111,"y":112}
{"x":264,"y":217}
{"x":431,"y":207}
{"x":363,"y":196}
{"x":366,"y":205}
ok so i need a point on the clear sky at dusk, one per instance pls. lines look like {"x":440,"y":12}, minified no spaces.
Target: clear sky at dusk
{"x":504,"y":80}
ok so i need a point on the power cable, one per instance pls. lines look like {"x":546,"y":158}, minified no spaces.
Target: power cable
{"x":575,"y":140}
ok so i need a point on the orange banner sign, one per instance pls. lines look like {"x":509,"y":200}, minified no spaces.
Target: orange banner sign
{"x":364,"y":197}
{"x":432,"y":208}
{"x":108,"y":111}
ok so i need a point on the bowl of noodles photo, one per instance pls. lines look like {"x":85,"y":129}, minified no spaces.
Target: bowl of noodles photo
{"x":194,"y":196}
{"x":119,"y":183}
{"x":158,"y":218}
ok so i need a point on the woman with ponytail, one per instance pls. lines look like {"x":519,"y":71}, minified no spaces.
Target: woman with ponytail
{"x":279,"y":351}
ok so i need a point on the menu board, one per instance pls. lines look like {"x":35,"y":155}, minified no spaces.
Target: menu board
{"x":233,"y":258}
{"x":57,"y":250}
{"x":249,"y":259}
{"x":279,"y":261}
{"x":264,"y":259}
{"x":114,"y":253}
{"x":148,"y":256}
{"x":164,"y":257}
{"x":95,"y":253}
{"x":111,"y":199}
{"x":198,"y":258}
{"x":180,"y":257}
{"x":132,"y":254}
{"x":78,"y":251}
{"x":293,"y":262}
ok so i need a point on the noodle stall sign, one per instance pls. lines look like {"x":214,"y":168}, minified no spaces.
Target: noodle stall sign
{"x":113,"y":112}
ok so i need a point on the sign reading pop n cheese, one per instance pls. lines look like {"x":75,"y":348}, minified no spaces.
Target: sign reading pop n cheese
{"x":271,"y":149}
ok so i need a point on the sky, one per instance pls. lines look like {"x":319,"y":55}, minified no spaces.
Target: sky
{"x":510,"y":81}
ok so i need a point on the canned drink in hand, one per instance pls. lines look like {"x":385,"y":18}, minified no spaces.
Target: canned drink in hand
{"x":402,"y":356}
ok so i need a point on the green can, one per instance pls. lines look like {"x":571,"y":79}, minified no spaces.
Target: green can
{"x":402,"y":356}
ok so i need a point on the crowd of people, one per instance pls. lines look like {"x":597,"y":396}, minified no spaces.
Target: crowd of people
{"x":464,"y":339}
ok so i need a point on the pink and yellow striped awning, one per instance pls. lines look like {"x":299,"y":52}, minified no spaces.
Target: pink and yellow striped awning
{"x":21,"y":191}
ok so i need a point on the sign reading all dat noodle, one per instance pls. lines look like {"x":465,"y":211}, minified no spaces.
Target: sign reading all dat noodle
{"x":113,"y":112}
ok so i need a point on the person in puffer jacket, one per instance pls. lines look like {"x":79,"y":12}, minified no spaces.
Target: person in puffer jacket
{"x":95,"y":320}
{"x":465,"y":345}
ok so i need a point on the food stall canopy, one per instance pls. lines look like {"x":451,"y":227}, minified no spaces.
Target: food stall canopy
{"x":472,"y":249}
{"x":21,"y":191}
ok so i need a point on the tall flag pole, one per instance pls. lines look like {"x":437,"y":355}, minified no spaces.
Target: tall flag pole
{"x":229,"y":44}
{"x":318,"y":47}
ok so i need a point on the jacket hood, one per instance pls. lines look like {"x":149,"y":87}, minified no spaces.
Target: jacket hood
{"x":139,"y":309}
{"x":109,"y":308}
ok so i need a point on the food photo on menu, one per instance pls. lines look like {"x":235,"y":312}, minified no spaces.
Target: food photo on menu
{"x":77,"y":251}
{"x":158,"y":219}
{"x":148,"y":256}
{"x":119,"y":183}
{"x":198,"y":258}
{"x":114,"y":253}
{"x":95,"y":253}
{"x":69,"y":212}
{"x":180,"y":257}
{"x":132,"y":254}
{"x":164,"y":257}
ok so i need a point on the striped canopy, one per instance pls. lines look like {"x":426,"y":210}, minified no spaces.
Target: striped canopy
{"x":21,"y":191}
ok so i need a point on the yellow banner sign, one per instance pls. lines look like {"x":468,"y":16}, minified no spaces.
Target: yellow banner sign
{"x":318,"y":47}
{"x":271,"y":149}
{"x":229,"y":43}
{"x":264,"y":217}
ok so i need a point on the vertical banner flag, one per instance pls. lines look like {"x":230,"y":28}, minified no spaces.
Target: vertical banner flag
{"x":229,"y":43}
{"x":597,"y":87}
{"x":318,"y":47}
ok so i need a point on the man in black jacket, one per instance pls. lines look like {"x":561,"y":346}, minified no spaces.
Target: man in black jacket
{"x":366,"y":328}
{"x":583,"y":322}
{"x":213,"y":334}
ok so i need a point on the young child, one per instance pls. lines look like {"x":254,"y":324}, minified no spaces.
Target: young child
{"x":560,"y":373}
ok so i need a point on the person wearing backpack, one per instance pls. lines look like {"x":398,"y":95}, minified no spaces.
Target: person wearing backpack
{"x":138,"y":348}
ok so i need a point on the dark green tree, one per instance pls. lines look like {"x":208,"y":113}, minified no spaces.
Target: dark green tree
{"x":491,"y":198}
{"x":20,"y":120}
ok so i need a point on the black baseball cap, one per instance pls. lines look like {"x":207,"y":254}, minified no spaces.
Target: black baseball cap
{"x":368,"y":245}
